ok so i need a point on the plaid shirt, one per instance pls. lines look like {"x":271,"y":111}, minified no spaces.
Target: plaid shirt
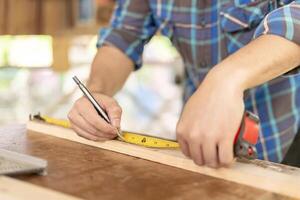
{"x":205,"y":32}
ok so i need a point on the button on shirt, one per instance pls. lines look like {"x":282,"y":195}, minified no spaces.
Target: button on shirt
{"x":207,"y":31}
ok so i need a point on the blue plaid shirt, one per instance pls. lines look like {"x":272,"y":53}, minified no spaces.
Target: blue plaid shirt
{"x":205,"y":32}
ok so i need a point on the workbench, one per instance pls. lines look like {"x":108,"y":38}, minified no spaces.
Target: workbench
{"x":92,"y":173}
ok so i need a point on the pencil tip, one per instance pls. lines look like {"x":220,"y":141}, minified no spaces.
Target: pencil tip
{"x":77,"y":81}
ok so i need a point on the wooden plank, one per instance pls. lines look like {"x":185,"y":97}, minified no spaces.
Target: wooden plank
{"x":247,"y":174}
{"x":12,"y":189}
{"x":90,"y":172}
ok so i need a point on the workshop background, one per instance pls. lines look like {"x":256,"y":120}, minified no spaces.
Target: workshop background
{"x":43,"y":43}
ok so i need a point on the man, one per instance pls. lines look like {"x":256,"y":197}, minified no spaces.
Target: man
{"x":238,"y":54}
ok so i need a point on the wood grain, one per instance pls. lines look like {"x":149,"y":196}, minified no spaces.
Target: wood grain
{"x":247,"y":174}
{"x":12,"y":189}
{"x":92,"y":173}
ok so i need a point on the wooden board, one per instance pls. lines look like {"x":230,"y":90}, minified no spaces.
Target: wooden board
{"x":90,"y":172}
{"x":12,"y":189}
{"x":247,"y":174}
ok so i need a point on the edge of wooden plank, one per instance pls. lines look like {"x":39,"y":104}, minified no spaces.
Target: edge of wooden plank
{"x":12,"y":189}
{"x":242,"y":173}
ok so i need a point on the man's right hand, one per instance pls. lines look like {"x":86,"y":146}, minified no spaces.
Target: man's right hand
{"x":86,"y":122}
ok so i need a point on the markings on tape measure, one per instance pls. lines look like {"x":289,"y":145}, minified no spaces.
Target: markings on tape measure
{"x":129,"y":137}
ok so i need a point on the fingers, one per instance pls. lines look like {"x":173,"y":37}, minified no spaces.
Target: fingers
{"x":114,"y":112}
{"x":201,"y":151}
{"x":196,"y":153}
{"x":201,"y":154}
{"x":85,"y":128}
{"x":80,"y":121}
{"x":225,"y":153}
{"x":92,"y":117}
{"x":210,"y":155}
{"x":87,"y":123}
{"x":184,"y":147}
{"x":84,"y":133}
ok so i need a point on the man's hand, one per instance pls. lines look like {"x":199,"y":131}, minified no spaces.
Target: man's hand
{"x":212,"y":116}
{"x":210,"y":121}
{"x":110,"y":69}
{"x":87,"y":123}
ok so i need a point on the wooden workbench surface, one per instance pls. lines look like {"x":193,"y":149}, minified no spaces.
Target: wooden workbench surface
{"x":93,"y":173}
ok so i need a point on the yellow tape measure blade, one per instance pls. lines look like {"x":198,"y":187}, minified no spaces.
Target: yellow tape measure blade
{"x":57,"y":122}
{"x":149,"y":141}
{"x":129,"y":137}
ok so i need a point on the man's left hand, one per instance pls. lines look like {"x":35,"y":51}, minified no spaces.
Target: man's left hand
{"x":210,"y":121}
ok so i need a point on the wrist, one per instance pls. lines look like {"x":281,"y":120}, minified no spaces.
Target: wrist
{"x":95,"y":86}
{"x":225,"y":78}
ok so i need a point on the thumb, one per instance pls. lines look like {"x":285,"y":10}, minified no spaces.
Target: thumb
{"x":114,"y":113}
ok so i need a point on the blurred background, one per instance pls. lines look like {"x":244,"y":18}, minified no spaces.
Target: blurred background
{"x":43,"y":43}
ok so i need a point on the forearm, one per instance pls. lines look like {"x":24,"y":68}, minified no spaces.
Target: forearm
{"x":110,"y":70}
{"x":263,"y":59}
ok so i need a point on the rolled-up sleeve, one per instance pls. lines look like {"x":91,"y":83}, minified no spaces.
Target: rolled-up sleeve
{"x":131,"y":27}
{"x":284,"y":22}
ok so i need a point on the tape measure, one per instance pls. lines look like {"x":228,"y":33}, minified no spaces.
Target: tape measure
{"x":149,"y":141}
{"x":129,"y":137}
{"x":244,"y":143}
{"x":247,"y":137}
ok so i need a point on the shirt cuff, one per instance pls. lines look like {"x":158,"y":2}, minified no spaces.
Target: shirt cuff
{"x":283,"y":22}
{"x":126,"y":41}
